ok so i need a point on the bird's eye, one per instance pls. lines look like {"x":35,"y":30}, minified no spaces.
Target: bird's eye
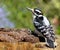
{"x":37,"y":13}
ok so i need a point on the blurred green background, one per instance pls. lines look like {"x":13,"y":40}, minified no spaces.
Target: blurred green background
{"x":22,"y":18}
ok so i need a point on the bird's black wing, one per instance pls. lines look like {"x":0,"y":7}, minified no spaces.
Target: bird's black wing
{"x":47,"y":32}
{"x":39,"y":26}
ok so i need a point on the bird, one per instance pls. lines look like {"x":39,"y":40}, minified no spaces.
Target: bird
{"x":43,"y":25}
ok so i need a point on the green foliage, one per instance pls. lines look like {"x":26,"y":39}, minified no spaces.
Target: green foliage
{"x":23,"y":18}
{"x":58,"y":30}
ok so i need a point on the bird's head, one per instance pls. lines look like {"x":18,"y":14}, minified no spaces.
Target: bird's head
{"x":36,"y":12}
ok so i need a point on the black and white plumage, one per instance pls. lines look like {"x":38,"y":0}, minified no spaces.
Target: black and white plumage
{"x":43,"y":25}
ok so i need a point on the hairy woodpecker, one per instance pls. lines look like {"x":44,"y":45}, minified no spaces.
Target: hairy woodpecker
{"x":43,"y":25}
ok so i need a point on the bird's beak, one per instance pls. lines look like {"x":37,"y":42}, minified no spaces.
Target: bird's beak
{"x":30,"y":9}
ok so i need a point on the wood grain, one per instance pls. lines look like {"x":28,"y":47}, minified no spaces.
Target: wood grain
{"x":26,"y":46}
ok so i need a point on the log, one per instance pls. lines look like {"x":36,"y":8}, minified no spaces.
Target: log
{"x":22,"y":39}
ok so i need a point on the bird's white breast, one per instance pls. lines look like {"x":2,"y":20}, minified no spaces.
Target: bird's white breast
{"x":45,"y":21}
